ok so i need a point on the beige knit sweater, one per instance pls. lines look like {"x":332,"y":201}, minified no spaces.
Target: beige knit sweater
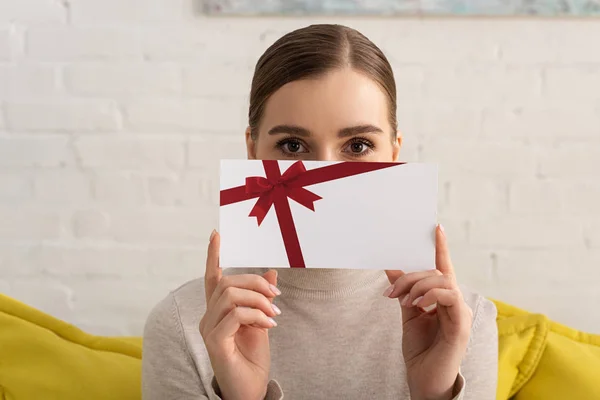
{"x":337,"y":338}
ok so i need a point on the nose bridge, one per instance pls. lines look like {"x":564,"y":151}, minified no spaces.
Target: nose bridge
{"x":327,"y":153}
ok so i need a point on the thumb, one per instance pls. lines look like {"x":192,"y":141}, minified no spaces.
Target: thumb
{"x":393,"y":275}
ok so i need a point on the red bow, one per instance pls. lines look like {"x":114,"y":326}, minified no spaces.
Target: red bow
{"x":275,"y":189}
{"x":269,"y":188}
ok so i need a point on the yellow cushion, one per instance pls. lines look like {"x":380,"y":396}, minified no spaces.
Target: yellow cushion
{"x":540,"y":359}
{"x":42,"y":357}
{"x":45,"y":358}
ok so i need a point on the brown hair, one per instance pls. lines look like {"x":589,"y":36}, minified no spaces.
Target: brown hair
{"x":311,"y":52}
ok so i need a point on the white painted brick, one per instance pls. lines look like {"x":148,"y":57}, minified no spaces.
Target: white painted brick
{"x":5,"y":287}
{"x":90,"y":223}
{"x":91,"y":12}
{"x":436,"y":120}
{"x":526,"y":267}
{"x":436,"y":42}
{"x":94,"y":262}
{"x":127,"y":298}
{"x":62,"y":187}
{"x":527,"y":232}
{"x":207,"y":79}
{"x":571,"y":160}
{"x":15,"y":188}
{"x":76,"y":117}
{"x":456,"y":229}
{"x":547,"y":42}
{"x":19,"y":224}
{"x":39,"y":151}
{"x":534,"y":196}
{"x":475,"y":197}
{"x":470,"y":97}
{"x":582,"y":198}
{"x":119,"y":189}
{"x":482,"y":84}
{"x":410,"y":149}
{"x":122,"y":79}
{"x":562,"y":121}
{"x":189,"y":43}
{"x":592,"y":233}
{"x":130,"y":153}
{"x":178,"y":264}
{"x":6,"y":49}
{"x":20,"y":260}
{"x":187,"y":191}
{"x":474,"y":267}
{"x":82,"y":44}
{"x":28,"y":82}
{"x":32,"y":11}
{"x":48,"y":296}
{"x":158,"y":226}
{"x":501,"y":159}
{"x":578,"y":84}
{"x":124,"y":310}
{"x":206,"y":152}
{"x":198,"y":116}
{"x":410,"y":81}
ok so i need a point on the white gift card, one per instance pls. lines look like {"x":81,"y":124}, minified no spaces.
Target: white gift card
{"x":318,"y":214}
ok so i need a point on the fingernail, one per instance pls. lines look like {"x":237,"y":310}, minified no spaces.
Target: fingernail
{"x":272,"y":321}
{"x":418,"y":299}
{"x":276,"y":309}
{"x":429,"y":308}
{"x":212,"y":235}
{"x":442,"y":229}
{"x":405,"y":300}
{"x":275,"y":290}
{"x":388,"y":291}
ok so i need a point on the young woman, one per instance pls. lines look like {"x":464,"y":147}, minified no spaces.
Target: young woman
{"x":324,"y":92}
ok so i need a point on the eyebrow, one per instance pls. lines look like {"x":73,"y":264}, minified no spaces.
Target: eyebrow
{"x":342,"y":133}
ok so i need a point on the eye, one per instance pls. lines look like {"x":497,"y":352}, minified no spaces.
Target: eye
{"x":291,"y":146}
{"x":359,"y":147}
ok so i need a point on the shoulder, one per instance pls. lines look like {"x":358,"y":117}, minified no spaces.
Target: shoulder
{"x":180,"y":311}
{"x":484,"y":330}
{"x":483,"y":309}
{"x":171,"y":313}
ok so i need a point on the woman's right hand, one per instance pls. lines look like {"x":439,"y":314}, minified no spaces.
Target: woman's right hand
{"x":235,"y":327}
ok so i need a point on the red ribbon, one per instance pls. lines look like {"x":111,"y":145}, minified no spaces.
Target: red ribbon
{"x":275,"y":189}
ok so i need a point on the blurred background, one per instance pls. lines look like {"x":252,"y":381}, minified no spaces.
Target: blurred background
{"x":114,"y":114}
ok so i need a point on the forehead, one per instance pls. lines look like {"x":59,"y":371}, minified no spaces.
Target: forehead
{"x":339,"y":99}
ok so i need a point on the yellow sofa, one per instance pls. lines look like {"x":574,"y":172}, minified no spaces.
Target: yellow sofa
{"x":44,"y":358}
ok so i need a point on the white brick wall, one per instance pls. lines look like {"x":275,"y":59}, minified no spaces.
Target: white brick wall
{"x":114,"y":114}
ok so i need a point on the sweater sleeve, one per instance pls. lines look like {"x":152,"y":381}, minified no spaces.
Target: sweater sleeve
{"x":480,"y":365}
{"x":168,"y":369}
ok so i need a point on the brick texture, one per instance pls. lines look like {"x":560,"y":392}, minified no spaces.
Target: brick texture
{"x":114,"y":115}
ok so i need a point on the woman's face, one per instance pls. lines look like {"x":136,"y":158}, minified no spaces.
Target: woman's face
{"x":342,"y":116}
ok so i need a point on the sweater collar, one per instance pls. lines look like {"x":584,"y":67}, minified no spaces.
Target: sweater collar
{"x":323,"y":283}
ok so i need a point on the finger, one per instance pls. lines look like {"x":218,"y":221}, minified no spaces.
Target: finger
{"x":393,"y":275}
{"x":406,"y":282}
{"x":244,"y":281}
{"x":213,"y":272}
{"x":241,"y":316}
{"x":451,"y":299}
{"x":425,"y":285}
{"x":442,"y":254}
{"x":234,"y":297}
{"x":271,"y":277}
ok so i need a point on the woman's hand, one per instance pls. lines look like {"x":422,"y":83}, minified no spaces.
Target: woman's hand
{"x":434,"y":342}
{"x":235,"y":327}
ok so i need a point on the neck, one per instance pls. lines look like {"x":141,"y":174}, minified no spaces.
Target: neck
{"x":327,"y":283}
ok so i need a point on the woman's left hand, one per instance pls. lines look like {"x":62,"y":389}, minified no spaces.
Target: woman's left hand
{"x":434,"y":342}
